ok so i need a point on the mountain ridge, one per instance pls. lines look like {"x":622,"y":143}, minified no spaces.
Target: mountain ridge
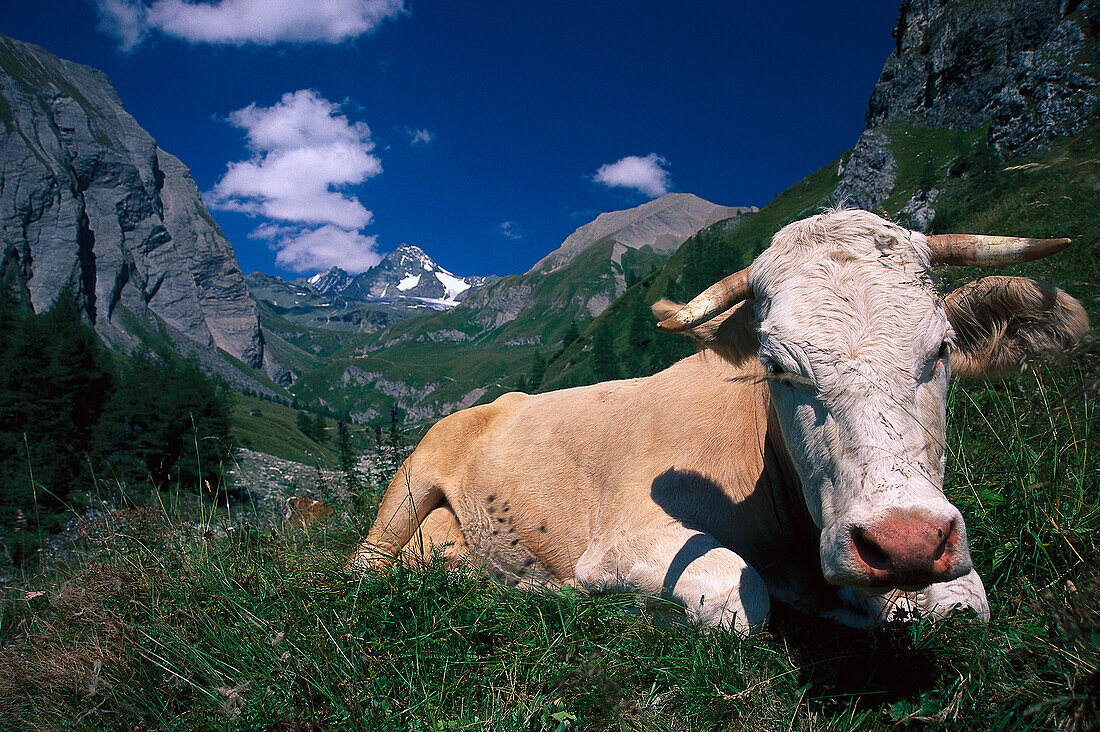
{"x":406,"y":272}
{"x":89,"y":202}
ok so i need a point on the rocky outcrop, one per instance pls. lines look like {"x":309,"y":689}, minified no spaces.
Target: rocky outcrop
{"x":869,"y":174}
{"x":1028,"y":68}
{"x":89,"y":202}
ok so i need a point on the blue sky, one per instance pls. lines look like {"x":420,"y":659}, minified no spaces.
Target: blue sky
{"x":330,"y":131}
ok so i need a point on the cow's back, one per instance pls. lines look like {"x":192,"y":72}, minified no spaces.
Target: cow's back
{"x":531,"y":476}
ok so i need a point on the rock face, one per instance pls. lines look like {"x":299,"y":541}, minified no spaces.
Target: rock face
{"x":88,"y":201}
{"x":1027,"y":68}
{"x":870,"y":172}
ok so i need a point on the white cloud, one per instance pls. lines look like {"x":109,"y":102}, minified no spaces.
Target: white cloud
{"x":419,"y":137}
{"x":303,"y":152}
{"x":123,"y":19}
{"x":302,"y":249}
{"x":510,"y":230}
{"x":646,"y":175}
{"x":237,"y":22}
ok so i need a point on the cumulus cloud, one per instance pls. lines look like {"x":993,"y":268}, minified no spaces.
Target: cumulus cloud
{"x":510,"y":230}
{"x":237,"y":22}
{"x":419,"y":137}
{"x":304,"y":155}
{"x":302,"y":249}
{"x":646,"y":175}
{"x":123,"y":19}
{"x":303,"y":152}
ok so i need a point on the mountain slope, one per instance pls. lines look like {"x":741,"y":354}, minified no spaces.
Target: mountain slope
{"x":662,"y":225}
{"x":89,"y":202}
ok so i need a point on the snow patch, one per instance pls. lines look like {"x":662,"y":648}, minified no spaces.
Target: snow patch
{"x":455,"y":286}
{"x":408,"y":283}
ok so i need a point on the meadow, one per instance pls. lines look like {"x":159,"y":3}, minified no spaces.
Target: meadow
{"x":175,"y":615}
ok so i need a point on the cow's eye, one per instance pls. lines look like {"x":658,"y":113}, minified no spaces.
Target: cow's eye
{"x":945,"y":352}
{"x":772,"y":367}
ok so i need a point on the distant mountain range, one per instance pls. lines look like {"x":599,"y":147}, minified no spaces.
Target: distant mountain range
{"x":406,"y":283}
{"x":406,"y":272}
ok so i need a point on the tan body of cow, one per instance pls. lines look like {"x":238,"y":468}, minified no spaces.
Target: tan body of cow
{"x":724,"y":479}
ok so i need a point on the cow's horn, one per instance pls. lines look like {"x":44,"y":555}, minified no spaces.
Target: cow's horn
{"x":717,"y":298}
{"x":982,"y":249}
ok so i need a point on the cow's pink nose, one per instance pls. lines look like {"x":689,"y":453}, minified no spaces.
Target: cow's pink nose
{"x":906,"y":550}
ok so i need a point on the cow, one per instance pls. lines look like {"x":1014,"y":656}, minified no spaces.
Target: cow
{"x":798,"y":455}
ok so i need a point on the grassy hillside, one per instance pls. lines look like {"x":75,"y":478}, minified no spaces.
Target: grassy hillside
{"x":270,"y":428}
{"x":155,"y":623}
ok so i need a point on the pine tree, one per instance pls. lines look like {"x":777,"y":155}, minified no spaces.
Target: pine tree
{"x":538,"y":371}
{"x":304,"y":423}
{"x":167,"y":419}
{"x":348,"y":458}
{"x":605,"y":362}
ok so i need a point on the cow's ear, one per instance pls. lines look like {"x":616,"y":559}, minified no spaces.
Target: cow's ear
{"x":732,"y":334}
{"x":1003,"y":323}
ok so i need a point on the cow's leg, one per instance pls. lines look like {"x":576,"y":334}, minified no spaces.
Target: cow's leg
{"x":716,"y":586}
{"x":936,"y":601}
{"x":439,"y":531}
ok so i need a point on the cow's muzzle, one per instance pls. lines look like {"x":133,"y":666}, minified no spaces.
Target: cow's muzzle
{"x":909,"y":550}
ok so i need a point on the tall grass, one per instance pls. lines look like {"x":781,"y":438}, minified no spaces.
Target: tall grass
{"x":164,"y":622}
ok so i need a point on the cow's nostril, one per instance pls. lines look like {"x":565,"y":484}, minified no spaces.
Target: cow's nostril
{"x":871,"y":554}
{"x":944,"y":535}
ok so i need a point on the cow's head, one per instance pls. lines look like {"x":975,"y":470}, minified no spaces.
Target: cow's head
{"x":859,"y":347}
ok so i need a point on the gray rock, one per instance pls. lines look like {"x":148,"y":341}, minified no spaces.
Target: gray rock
{"x":919,"y":211}
{"x":869,"y":174}
{"x":88,"y":201}
{"x":663,"y":224}
{"x":1028,"y":68}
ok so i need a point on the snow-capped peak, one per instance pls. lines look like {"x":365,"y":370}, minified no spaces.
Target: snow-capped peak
{"x":406,"y":272}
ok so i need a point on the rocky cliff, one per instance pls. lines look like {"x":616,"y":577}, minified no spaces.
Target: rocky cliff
{"x":1026,"y":68}
{"x":88,"y":201}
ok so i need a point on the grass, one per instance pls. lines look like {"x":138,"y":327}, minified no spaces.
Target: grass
{"x":270,"y":428}
{"x":162,"y":622}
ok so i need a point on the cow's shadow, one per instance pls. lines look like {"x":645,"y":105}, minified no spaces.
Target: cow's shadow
{"x":838,"y":663}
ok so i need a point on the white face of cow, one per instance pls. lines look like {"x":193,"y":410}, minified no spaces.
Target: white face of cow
{"x":843,"y":314}
{"x":857,"y":341}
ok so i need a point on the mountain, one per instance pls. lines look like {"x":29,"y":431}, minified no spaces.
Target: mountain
{"x":406,"y":272}
{"x":432,"y":364}
{"x":332,"y":281}
{"x":302,"y":303}
{"x":582,"y":277}
{"x":984,"y":119}
{"x":661,"y":225}
{"x":89,"y":202}
{"x":405,"y":284}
